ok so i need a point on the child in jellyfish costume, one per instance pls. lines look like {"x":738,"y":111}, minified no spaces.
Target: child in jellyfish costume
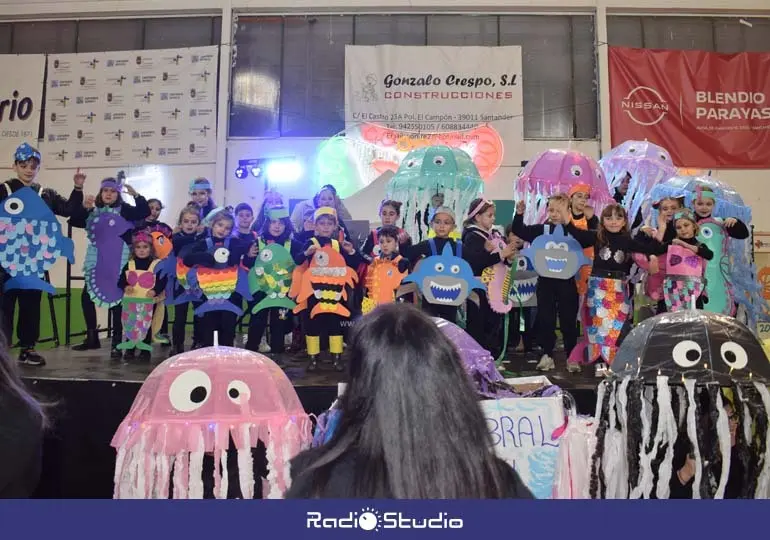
{"x":726,"y":221}
{"x":448,"y":174}
{"x":685,"y":412}
{"x":555,"y":172}
{"x":632,"y":170}
{"x":205,"y":402}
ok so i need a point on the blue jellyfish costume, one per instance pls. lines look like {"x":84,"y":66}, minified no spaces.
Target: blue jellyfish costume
{"x":728,"y":203}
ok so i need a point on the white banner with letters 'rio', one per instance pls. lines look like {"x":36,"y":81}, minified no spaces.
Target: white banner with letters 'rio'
{"x":525,"y":434}
{"x":21,"y":97}
{"x":428,"y":90}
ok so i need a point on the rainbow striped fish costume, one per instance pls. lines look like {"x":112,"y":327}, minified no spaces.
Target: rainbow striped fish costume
{"x":219,"y":283}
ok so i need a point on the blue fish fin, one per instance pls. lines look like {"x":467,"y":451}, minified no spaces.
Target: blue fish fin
{"x":30,"y":283}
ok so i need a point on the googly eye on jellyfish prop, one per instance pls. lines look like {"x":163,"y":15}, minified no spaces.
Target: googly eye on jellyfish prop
{"x":556,"y":254}
{"x":633,"y":169}
{"x":557,"y":171}
{"x":193,"y":404}
{"x":689,"y":379}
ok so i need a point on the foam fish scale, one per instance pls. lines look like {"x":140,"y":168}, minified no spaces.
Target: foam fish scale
{"x":28,"y":247}
{"x":217,"y":283}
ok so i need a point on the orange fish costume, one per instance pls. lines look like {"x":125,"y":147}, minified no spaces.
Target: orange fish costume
{"x":323,"y":282}
{"x":382,"y":281}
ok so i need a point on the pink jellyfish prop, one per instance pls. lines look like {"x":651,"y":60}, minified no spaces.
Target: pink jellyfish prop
{"x":556,"y":171}
{"x":191,"y":405}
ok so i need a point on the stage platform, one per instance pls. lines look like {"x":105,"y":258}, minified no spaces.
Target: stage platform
{"x":90,"y":394}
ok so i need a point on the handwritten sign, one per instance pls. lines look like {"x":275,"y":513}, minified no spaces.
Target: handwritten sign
{"x":522,"y":434}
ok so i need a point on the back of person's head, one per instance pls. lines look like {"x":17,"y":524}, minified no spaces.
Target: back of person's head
{"x":410,"y":422}
{"x":12,"y":386}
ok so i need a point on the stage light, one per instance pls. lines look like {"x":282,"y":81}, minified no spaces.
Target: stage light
{"x":240,"y":173}
{"x":256,"y":171}
{"x":284,"y":170}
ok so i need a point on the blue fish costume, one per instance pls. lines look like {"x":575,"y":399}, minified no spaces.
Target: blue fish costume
{"x":31,"y":241}
{"x":445,"y":279}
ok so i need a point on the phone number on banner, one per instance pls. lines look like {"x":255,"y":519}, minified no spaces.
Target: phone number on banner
{"x":429,"y":126}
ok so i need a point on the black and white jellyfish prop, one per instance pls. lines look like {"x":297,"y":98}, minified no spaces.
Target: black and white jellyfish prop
{"x":669,"y":380}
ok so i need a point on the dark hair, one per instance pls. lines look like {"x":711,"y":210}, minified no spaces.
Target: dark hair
{"x":287,"y":232}
{"x":409,"y":418}
{"x":12,"y":385}
{"x":396,"y":205}
{"x":388,"y":231}
{"x":243,"y":206}
{"x":99,"y":202}
{"x":150,"y":201}
{"x":327,"y":187}
{"x":509,"y":230}
{"x":610,"y":210}
{"x":486,"y":205}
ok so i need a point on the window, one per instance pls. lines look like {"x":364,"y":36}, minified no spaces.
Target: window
{"x":97,"y":35}
{"x":256,"y":77}
{"x":390,"y":29}
{"x":289,"y":72}
{"x":468,"y":30}
{"x":6,"y":35}
{"x":119,"y":35}
{"x":45,"y":37}
{"x":180,"y":32}
{"x":313,"y":101}
{"x":724,"y":35}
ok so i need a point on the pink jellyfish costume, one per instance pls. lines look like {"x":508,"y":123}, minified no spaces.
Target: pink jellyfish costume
{"x":557,"y":171}
{"x":191,"y":405}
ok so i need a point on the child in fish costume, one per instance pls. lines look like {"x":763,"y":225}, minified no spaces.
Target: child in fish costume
{"x":270,"y":281}
{"x":108,"y":223}
{"x":141,"y":288}
{"x":160,"y":235}
{"x":179,"y":293}
{"x":608,"y":301}
{"x":484,"y":248}
{"x":386,"y":270}
{"x":323,"y":286}
{"x":30,"y":242}
{"x":685,"y":264}
{"x":215,"y":264}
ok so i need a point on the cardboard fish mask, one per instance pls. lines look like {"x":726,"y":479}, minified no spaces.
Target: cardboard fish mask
{"x":326,"y":278}
{"x":271,"y":275}
{"x":31,"y":241}
{"x":444,"y":279}
{"x":556,"y":255}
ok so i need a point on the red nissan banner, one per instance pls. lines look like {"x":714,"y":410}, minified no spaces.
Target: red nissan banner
{"x":708,"y":110}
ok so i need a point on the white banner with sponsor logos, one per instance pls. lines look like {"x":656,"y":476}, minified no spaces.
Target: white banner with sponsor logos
{"x":428,"y":90}
{"x":21,"y":98}
{"x":131,"y":108}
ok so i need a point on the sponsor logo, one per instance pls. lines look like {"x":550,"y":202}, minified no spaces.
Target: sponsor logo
{"x":645,"y":106}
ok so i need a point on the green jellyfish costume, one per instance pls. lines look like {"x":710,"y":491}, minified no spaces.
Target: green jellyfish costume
{"x":429,"y":171}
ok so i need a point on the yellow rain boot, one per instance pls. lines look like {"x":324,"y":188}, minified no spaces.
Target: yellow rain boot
{"x":313,"y":350}
{"x":335,"y":347}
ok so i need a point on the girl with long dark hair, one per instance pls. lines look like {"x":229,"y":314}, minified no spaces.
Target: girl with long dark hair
{"x":410,"y":425}
{"x":22,"y":422}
